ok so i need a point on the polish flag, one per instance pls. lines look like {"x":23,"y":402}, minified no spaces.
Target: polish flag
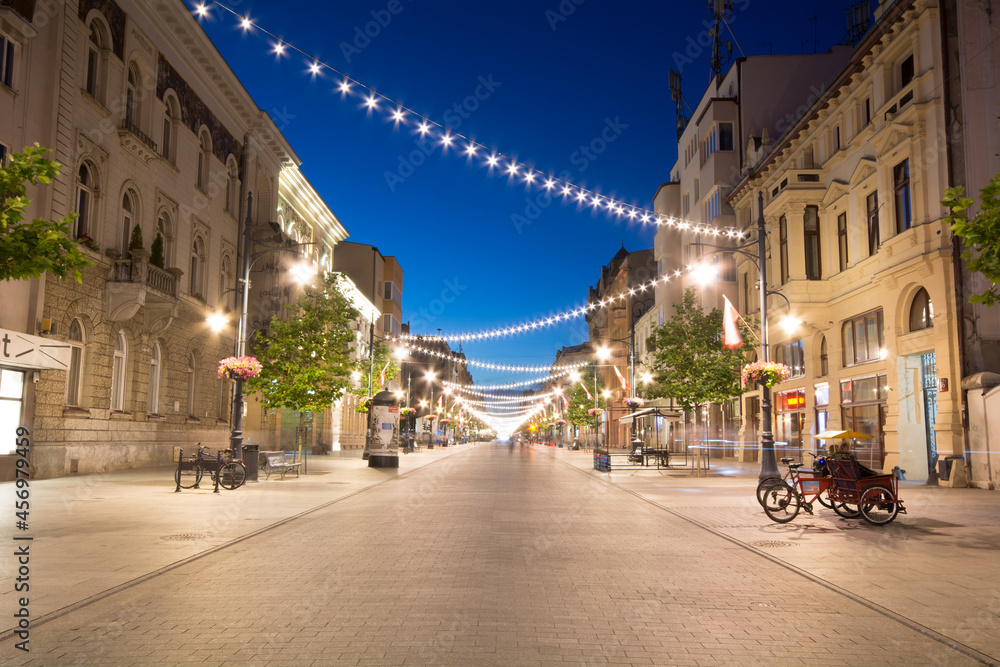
{"x":381,"y":376}
{"x":730,"y":332}
{"x":589,"y":397}
{"x":621,"y":378}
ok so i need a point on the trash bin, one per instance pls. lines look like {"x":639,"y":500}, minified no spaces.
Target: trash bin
{"x":944,"y":466}
{"x":251,"y":450}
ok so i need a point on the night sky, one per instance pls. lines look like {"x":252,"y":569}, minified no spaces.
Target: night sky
{"x":577,"y":86}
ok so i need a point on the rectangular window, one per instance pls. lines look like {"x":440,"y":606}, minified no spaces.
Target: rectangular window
{"x":783,"y":246}
{"x":871,"y":206}
{"x":868,"y":111}
{"x":727,"y":267}
{"x":836,"y":139}
{"x":863,"y":338}
{"x":6,"y":61}
{"x":388,"y":291}
{"x":906,"y":72}
{"x":792,"y":355}
{"x":814,"y":266}
{"x":842,"y":239}
{"x":863,"y":407}
{"x":725,"y":136}
{"x":901,"y":186}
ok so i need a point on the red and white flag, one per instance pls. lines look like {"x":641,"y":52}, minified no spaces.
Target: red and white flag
{"x":381,"y":376}
{"x":589,"y":397}
{"x":730,"y":332}
{"x":621,"y":378}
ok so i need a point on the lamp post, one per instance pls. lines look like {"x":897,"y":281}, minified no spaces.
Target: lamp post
{"x":429,"y":376}
{"x":768,"y":464}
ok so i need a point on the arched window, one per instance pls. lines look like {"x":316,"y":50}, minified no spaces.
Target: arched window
{"x":824,"y":359}
{"x":921,"y":311}
{"x":118,"y":373}
{"x":154,"y":379}
{"x":97,"y":45}
{"x":74,"y":378}
{"x":204,"y":153}
{"x":197,"y":267}
{"x":170,"y":116}
{"x":192,"y":376}
{"x":232,"y":187}
{"x":163,"y":228}
{"x":129,"y":210}
{"x":132,"y":97}
{"x":84,"y":200}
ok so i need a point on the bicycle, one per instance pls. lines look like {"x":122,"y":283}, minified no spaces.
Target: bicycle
{"x":784,"y":500}
{"x":819,"y":467}
{"x":231,"y":473}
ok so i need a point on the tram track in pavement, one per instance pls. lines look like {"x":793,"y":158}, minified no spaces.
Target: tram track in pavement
{"x":912,"y":624}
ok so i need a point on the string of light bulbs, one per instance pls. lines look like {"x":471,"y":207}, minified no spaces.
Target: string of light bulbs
{"x":484,"y":388}
{"x":487,"y":365}
{"x":493,"y":159}
{"x":563,"y":316}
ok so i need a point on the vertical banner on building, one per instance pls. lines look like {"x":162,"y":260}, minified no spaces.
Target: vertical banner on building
{"x":385,"y":430}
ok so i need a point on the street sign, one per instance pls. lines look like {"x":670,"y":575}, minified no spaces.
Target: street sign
{"x":24,"y":351}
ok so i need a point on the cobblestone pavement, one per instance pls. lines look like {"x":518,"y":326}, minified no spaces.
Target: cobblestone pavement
{"x":495,"y":556}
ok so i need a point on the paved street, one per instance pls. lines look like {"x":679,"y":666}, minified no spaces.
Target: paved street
{"x":490,"y":555}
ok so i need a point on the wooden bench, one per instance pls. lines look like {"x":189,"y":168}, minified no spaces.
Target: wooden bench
{"x":275,"y":463}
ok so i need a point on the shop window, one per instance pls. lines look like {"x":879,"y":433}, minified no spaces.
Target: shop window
{"x":863,"y":407}
{"x":11,"y":396}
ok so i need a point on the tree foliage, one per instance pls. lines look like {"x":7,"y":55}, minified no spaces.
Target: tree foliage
{"x":578,"y":401}
{"x":980,"y":234}
{"x":29,"y":249}
{"x":691,"y":364}
{"x":383,"y":355}
{"x":307,"y":357}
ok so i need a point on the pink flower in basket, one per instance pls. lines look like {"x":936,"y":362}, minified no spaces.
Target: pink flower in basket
{"x":633,"y":401}
{"x":240,"y":367}
{"x":594,"y":411}
{"x":766,"y":373}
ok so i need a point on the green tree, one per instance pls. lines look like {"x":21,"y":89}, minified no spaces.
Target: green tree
{"x":690,"y":362}
{"x":29,"y":249}
{"x":580,"y":398}
{"x":383,"y":356}
{"x":307,"y":356}
{"x":980,"y":234}
{"x":156,"y":257}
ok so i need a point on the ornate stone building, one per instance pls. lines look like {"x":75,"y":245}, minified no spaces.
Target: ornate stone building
{"x":154,"y":133}
{"x":858,"y":247}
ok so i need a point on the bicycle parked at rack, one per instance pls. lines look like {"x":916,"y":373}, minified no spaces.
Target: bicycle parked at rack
{"x":222,"y":469}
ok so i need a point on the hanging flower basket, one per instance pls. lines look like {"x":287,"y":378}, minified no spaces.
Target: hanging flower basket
{"x":407,"y":412}
{"x":633,"y":402}
{"x":431,"y":417}
{"x":595,"y":411}
{"x":364,"y":404}
{"x":240,"y":367}
{"x":561,"y":421}
{"x":767,"y":373}
{"x":445,"y":420}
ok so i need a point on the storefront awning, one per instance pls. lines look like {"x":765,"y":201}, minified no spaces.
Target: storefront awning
{"x":669,"y":415}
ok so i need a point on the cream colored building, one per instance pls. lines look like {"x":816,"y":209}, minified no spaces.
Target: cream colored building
{"x":858,"y":248}
{"x":153,"y":130}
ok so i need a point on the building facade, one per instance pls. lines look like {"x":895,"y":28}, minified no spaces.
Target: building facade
{"x":157,"y":139}
{"x":851,"y":201}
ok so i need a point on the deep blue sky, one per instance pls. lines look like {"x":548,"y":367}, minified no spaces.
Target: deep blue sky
{"x":562,"y":78}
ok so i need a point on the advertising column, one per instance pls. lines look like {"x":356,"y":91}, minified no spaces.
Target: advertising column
{"x":383,"y":438}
